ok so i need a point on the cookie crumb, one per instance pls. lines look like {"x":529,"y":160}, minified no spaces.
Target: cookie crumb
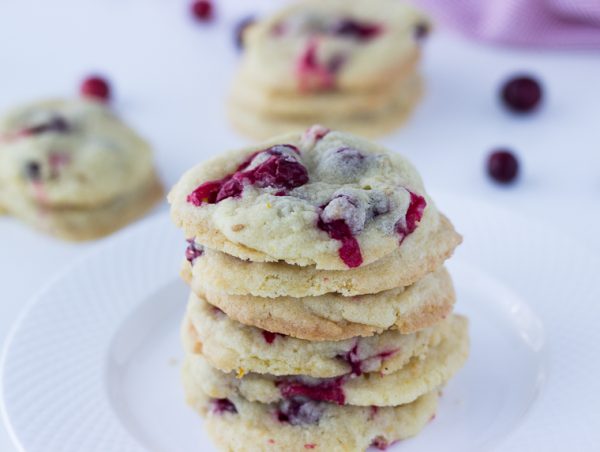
{"x":237,"y":227}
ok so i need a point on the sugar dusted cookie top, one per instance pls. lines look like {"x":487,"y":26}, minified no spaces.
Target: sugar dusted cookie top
{"x":318,"y":45}
{"x":70,"y":153}
{"x":321,"y":198}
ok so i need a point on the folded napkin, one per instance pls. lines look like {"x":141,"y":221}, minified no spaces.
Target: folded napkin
{"x":549,"y":23}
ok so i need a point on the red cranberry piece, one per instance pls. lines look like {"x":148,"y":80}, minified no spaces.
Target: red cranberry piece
{"x":96,"y":87}
{"x":279,"y":170}
{"x":310,"y":446}
{"x":349,"y":251}
{"x":205,"y":193}
{"x":56,"y":124}
{"x":503,"y":166}
{"x":33,"y":171}
{"x":357,"y":30}
{"x":193,"y":251}
{"x":220,"y":406}
{"x":521,"y":94}
{"x":379,"y":442}
{"x":299,"y":411}
{"x":240,"y":29}
{"x":414,"y":213}
{"x":328,"y":390}
{"x":270,"y":337}
{"x":310,"y":73}
{"x":355,"y":362}
{"x":202,"y":10}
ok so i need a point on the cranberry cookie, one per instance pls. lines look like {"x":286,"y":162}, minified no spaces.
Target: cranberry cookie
{"x":72,"y":168}
{"x":321,"y":198}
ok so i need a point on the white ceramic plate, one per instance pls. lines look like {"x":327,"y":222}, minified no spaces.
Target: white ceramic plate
{"x":93,"y":363}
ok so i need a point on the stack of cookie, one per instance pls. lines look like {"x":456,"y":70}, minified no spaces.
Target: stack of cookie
{"x":320,"y":313}
{"x":73,"y":169}
{"x":347,"y":65}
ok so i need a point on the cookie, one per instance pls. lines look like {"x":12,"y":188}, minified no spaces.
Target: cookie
{"x":298,"y":425}
{"x":72,"y":168}
{"x":321,"y":198}
{"x":333,"y":317}
{"x":395,"y":112}
{"x":78,"y":224}
{"x":232,"y":347}
{"x":319,"y":107}
{"x":225,"y":273}
{"x":316,"y":45}
{"x":419,"y":376}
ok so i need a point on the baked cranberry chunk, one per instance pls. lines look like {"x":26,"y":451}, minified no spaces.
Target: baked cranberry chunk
{"x":360,"y":31}
{"x":220,"y":406}
{"x":299,"y":411}
{"x":414,"y":213}
{"x":275,"y":167}
{"x":193,"y":251}
{"x":326,"y":390}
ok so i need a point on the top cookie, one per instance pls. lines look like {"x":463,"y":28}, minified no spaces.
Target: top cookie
{"x":70,"y":153}
{"x":317,"y":45}
{"x":322,"y":198}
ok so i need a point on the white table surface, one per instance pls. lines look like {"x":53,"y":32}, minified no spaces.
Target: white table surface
{"x":171,"y":77}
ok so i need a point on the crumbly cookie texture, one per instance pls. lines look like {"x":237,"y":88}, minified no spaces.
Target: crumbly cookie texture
{"x":320,"y":198}
{"x":232,"y":347}
{"x":409,"y":263}
{"x":315,"y":45}
{"x":419,"y":376}
{"x":332,"y":317}
{"x":300,"y":425}
{"x":70,"y":153}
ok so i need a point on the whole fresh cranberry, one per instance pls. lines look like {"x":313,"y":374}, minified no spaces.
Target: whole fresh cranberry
{"x":521,"y":94}
{"x":202,"y":10}
{"x":96,"y":87}
{"x":502,"y":166}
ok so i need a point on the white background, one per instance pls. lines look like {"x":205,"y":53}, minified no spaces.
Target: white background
{"x":171,"y":77}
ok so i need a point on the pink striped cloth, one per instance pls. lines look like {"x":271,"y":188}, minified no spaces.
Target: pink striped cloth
{"x":549,"y":23}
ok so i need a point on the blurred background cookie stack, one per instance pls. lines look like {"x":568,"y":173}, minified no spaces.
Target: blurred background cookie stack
{"x":320,"y":315}
{"x":347,"y":65}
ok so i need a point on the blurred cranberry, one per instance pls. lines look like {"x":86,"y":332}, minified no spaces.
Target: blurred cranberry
{"x":202,"y":10}
{"x":521,"y":94}
{"x":96,"y":87}
{"x":240,"y":28}
{"x":502,"y":166}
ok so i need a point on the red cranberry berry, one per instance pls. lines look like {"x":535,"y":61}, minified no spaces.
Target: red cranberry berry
{"x":502,"y":166}
{"x":220,"y":406}
{"x":240,"y":29}
{"x":202,"y":10}
{"x":96,"y":87}
{"x":521,"y":94}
